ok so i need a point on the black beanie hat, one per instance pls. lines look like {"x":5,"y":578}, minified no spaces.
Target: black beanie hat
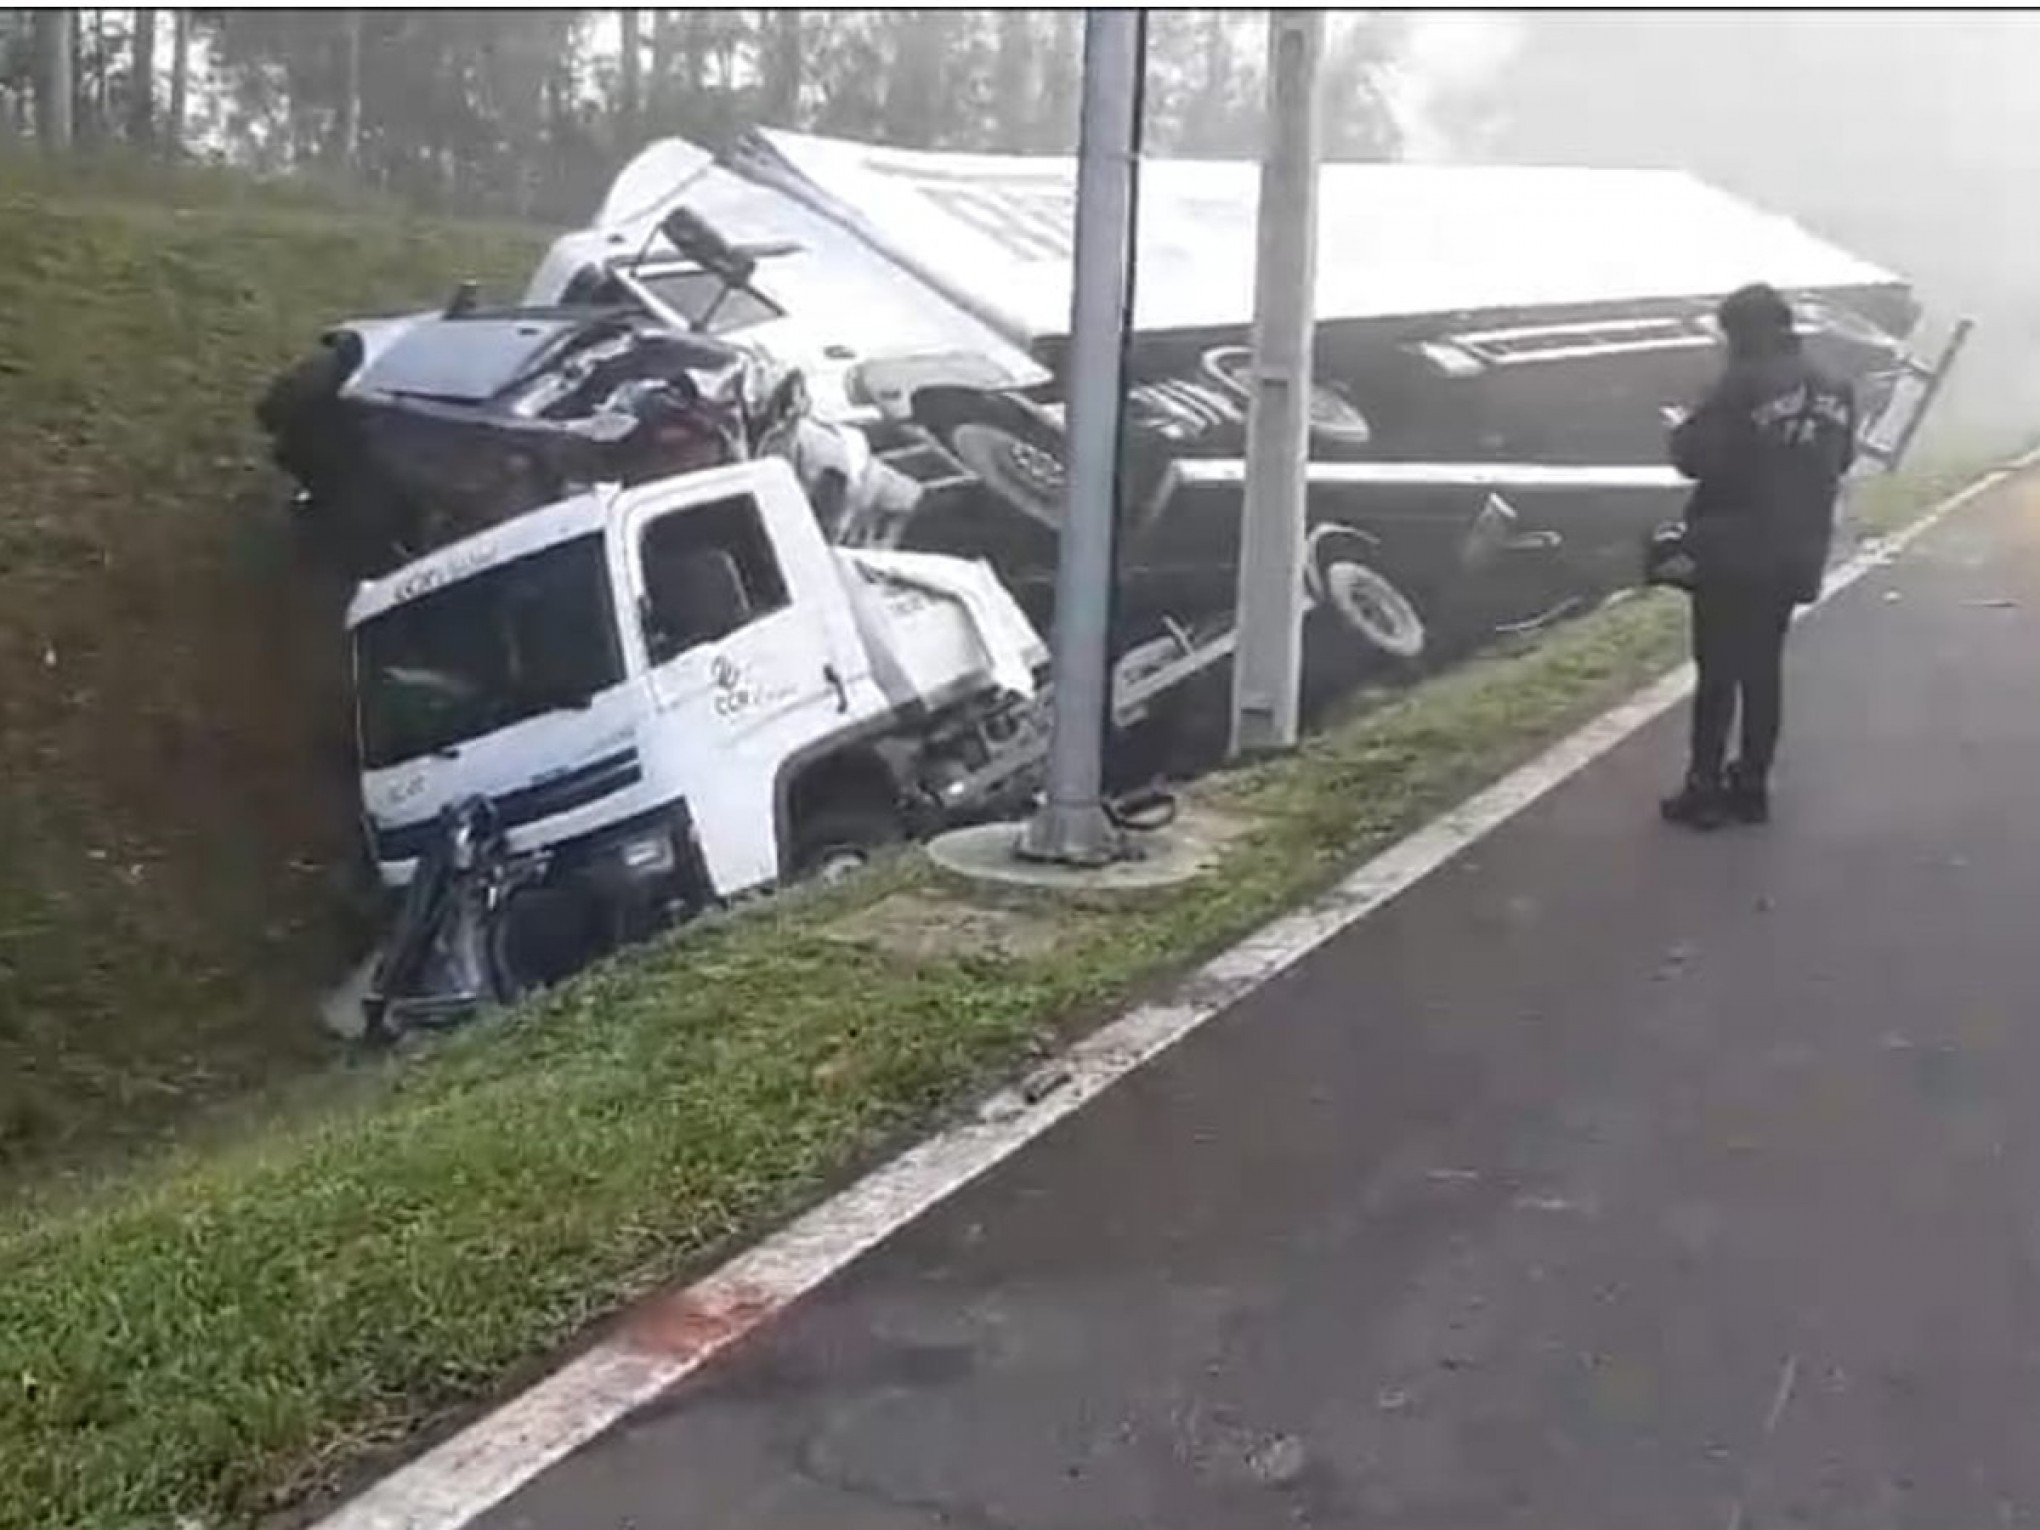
{"x":1755,"y":311}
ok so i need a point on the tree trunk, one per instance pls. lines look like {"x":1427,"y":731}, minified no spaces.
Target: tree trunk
{"x":1205,"y":129}
{"x":912,"y":116}
{"x":629,"y":112}
{"x":659,"y":83}
{"x":102,"y":85}
{"x":1013,"y":80}
{"x":782,"y":69}
{"x":1062,"y":70}
{"x":350,"y":95}
{"x":55,"y":40}
{"x":180,"y":74}
{"x":88,"y":79}
{"x":142,"y":88}
{"x":694,"y":63}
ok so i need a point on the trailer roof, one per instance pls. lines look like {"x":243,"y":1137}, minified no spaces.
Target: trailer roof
{"x":1395,"y":240}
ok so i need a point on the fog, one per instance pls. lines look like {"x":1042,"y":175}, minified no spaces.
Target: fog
{"x":1913,"y":139}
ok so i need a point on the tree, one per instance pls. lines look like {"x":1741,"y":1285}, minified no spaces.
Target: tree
{"x":93,"y":44}
{"x":1205,"y":130}
{"x":450,"y":108}
{"x":1013,"y":73}
{"x":142,"y":83}
{"x":180,"y":76}
{"x":919,"y":42}
{"x":630,"y":106}
{"x":1357,"y":118}
{"x":847,"y":61}
{"x":695,"y":39}
{"x":1204,"y":82}
{"x":350,"y":91}
{"x":1062,"y":67}
{"x":55,"y":55}
{"x":17,"y":72}
{"x":658,"y":85}
{"x":780,"y":68}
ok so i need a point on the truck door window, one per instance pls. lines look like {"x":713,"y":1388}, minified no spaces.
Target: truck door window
{"x":706,"y":301}
{"x":709,"y":570}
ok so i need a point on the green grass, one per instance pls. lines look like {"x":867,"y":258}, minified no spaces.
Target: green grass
{"x":1881,"y":505}
{"x":174,"y":802}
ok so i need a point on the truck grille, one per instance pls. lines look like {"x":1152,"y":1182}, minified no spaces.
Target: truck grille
{"x":542,"y":799}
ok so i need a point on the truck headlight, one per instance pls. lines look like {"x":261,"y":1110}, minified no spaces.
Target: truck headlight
{"x":647,"y":855}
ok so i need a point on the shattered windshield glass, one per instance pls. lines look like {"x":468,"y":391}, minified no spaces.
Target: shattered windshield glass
{"x":533,"y":635}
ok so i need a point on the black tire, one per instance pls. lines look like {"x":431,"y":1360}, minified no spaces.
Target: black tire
{"x":1025,"y":468}
{"x":542,"y":936}
{"x":1360,"y":598}
{"x":307,"y":385}
{"x":1333,"y":419}
{"x":836,"y":841}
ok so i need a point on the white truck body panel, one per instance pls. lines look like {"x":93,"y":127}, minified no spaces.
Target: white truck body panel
{"x":939,"y":625}
{"x":992,"y":233}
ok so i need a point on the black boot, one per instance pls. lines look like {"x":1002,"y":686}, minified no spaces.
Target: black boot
{"x":1699,"y":804}
{"x":1747,"y":798}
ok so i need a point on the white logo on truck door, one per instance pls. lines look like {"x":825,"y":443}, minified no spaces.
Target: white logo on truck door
{"x":739,"y":691}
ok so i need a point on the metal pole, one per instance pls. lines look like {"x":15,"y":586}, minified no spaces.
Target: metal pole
{"x":1072,"y":827}
{"x":1268,"y":667}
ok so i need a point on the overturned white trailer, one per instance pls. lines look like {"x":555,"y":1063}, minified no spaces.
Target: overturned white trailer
{"x":1498,"y":349}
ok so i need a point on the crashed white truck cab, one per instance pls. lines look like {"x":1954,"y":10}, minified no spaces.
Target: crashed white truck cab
{"x":681,"y":692}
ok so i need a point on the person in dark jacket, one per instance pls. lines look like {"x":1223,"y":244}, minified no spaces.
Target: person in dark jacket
{"x":1767,"y":449}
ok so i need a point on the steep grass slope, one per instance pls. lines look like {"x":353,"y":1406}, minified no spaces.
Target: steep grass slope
{"x":173,"y":792}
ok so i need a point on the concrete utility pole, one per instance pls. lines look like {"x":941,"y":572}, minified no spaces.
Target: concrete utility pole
{"x":1268,"y":664}
{"x":1073,"y":827}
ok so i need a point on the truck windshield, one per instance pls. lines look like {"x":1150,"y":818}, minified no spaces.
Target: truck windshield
{"x":533,"y":635}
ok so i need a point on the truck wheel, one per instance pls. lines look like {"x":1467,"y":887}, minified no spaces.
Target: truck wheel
{"x":1027,"y":474}
{"x":1359,"y":595}
{"x":305,"y":386}
{"x":540,"y":937}
{"x":833,"y":843}
{"x":1332,"y":419}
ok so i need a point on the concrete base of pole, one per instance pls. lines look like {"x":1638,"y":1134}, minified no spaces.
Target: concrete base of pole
{"x":1071,"y":835}
{"x":990,"y":854}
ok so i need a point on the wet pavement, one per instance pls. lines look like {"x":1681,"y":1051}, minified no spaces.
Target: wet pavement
{"x":1613,"y":1178}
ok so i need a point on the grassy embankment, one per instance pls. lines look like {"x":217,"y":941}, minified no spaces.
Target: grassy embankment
{"x":174,"y":804}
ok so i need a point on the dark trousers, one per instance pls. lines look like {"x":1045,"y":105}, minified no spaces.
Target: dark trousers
{"x":1739,"y":650}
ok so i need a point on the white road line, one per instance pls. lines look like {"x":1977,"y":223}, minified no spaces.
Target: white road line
{"x":670,"y":1338}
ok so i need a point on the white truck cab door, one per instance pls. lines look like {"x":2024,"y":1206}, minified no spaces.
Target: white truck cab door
{"x":744,"y":657}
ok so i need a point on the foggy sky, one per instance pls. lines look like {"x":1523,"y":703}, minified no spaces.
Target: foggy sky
{"x":1913,"y":139}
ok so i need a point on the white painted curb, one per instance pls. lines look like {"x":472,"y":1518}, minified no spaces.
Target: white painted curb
{"x":676,"y":1335}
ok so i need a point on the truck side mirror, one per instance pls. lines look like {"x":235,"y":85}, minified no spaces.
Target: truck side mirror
{"x":697,"y":239}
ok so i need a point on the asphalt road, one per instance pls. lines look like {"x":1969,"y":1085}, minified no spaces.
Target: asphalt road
{"x":1611,"y":1179}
